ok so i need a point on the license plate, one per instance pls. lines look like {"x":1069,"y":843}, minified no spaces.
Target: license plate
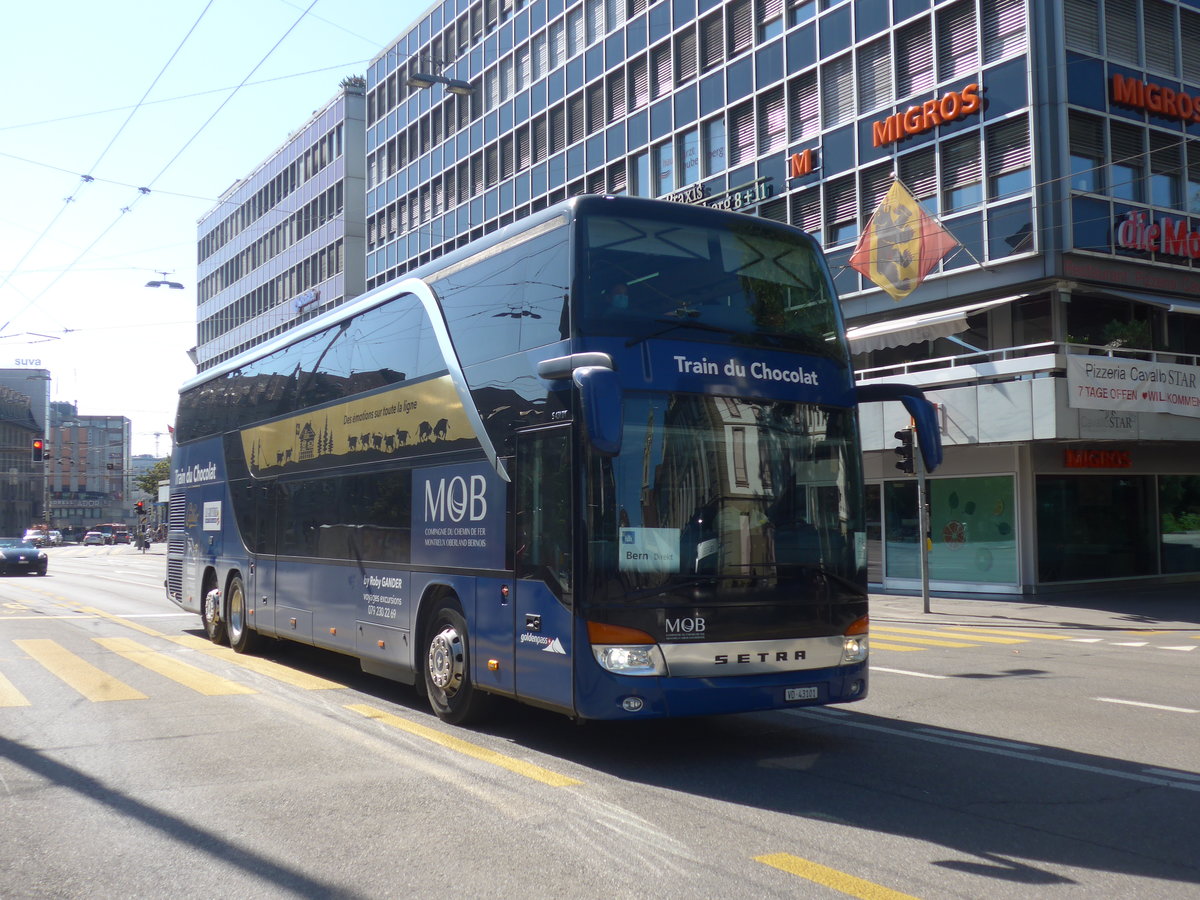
{"x":800,"y":693}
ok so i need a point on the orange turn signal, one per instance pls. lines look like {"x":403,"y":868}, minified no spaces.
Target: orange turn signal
{"x":602,"y":633}
{"x":859,"y":626}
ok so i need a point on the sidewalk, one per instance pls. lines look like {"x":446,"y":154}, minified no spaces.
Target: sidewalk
{"x":1159,"y":608}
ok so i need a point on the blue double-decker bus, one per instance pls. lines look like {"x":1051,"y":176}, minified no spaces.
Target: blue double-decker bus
{"x":604,"y":461}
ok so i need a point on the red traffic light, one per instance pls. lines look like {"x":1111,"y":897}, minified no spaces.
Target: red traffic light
{"x":39,"y":447}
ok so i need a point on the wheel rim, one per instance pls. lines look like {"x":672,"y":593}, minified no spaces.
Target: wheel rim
{"x":446,"y":660}
{"x":236,"y":609}
{"x":211,"y":601}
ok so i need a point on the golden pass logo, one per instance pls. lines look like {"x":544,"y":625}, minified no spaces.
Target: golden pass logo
{"x":393,"y":422}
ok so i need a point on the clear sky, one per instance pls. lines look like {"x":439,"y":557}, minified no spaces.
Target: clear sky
{"x":182,"y":98}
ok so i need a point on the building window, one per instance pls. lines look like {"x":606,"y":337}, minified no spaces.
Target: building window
{"x":713,"y":132}
{"x":687,"y":147}
{"x":874,"y":75}
{"x":1087,"y":153}
{"x":1128,"y":162}
{"x":660,"y":71}
{"x":685,"y":56}
{"x":837,"y":92}
{"x":1004,"y":31}
{"x":772,"y":121}
{"x":1121,"y":30}
{"x":712,"y":37}
{"x":1193,"y":177}
{"x":841,"y":213}
{"x":664,"y":168}
{"x":741,"y":27}
{"x":741,"y":134}
{"x":914,"y":59}
{"x":1161,"y":39}
{"x":1189,"y":36}
{"x":1165,"y":169}
{"x":962,"y":174}
{"x":805,"y":108}
{"x":639,"y":175}
{"x":958,"y":49}
{"x":770,"y":19}
{"x":1009,"y":158}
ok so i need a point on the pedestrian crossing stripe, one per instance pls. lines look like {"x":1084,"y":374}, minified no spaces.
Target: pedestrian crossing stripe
{"x":883,"y":645}
{"x":257,"y":664}
{"x":1039,"y":635}
{"x":9,"y":695}
{"x":932,"y":642}
{"x":189,"y":676}
{"x":93,"y":683}
{"x":891,"y":630}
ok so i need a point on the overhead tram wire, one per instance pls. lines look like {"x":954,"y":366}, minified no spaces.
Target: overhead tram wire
{"x":88,"y":179}
{"x":145,"y":190}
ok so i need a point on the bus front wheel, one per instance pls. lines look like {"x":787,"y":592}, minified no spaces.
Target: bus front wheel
{"x":448,"y":683}
{"x":242,"y":638}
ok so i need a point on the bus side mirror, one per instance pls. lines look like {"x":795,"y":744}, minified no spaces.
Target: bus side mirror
{"x":924,"y":416}
{"x":600,"y":402}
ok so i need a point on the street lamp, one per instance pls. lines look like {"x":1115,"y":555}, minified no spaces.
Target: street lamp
{"x":174,"y":285}
{"x":423,"y":80}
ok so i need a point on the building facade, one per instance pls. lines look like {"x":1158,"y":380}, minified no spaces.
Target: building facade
{"x":1057,"y":140}
{"x":88,"y":470}
{"x":285,"y":243}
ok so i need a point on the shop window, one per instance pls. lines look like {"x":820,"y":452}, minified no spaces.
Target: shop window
{"x":1179,"y":512}
{"x":1095,"y":526}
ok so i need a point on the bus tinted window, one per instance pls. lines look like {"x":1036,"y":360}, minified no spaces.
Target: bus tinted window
{"x":759,"y":287}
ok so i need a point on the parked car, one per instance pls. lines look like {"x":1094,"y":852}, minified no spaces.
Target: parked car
{"x":122,"y":537}
{"x":35,"y":536}
{"x":19,"y":556}
{"x":93,"y":538}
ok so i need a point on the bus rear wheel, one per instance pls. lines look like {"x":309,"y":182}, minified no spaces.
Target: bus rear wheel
{"x":210,"y":614}
{"x":448,"y":684}
{"x":242,"y":638}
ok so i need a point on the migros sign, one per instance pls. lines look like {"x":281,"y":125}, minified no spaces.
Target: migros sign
{"x":918,"y":119}
{"x":1155,"y":98}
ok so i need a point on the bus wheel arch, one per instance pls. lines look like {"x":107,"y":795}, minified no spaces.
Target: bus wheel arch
{"x":444,"y":658}
{"x":212,"y":612}
{"x":243,"y":638}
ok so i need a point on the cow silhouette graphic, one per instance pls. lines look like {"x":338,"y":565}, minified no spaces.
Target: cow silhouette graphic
{"x":353,"y":442}
{"x":401,"y":437}
{"x":424,"y":432}
{"x":440,"y":429}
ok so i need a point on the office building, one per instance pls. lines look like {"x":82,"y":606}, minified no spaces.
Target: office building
{"x":285,"y":243}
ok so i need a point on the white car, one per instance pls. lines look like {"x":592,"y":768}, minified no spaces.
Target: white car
{"x":93,"y":538}
{"x":56,"y":538}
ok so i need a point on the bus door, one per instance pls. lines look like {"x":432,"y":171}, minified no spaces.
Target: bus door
{"x":261,"y":586}
{"x":543,"y":529}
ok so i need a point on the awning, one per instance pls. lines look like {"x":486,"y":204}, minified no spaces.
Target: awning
{"x":1170,"y":304}
{"x":915,"y":329}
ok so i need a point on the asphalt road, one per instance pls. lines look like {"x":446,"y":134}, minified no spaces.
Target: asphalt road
{"x":138,"y":760}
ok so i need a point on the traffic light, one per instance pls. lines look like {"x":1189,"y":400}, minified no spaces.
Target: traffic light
{"x":39,"y":448}
{"x":140,"y":507}
{"x":905,"y":451}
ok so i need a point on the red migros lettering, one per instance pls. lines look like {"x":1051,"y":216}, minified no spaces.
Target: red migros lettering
{"x":1097,"y":459}
{"x":800,"y":164}
{"x":928,"y":115}
{"x":1155,"y":98}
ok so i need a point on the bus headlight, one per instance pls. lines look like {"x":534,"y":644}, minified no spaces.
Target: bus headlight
{"x":626,"y":651}
{"x":854,"y":641}
{"x":639,"y":659}
{"x":854,"y":648}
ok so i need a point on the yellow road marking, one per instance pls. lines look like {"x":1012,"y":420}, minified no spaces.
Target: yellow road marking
{"x":9,"y":695}
{"x":198,"y":680}
{"x":889,"y":631}
{"x":93,"y":683}
{"x":136,"y":626}
{"x":933,"y":642}
{"x":971,"y":629}
{"x":831,"y":878}
{"x":520,"y":767}
{"x":257,"y":664}
{"x":883,"y":645}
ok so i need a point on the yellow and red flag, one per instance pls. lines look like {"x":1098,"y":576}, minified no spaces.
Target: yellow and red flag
{"x":901,"y":244}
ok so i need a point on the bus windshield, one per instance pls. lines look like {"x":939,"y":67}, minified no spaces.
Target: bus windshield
{"x":742,"y":283}
{"x":720,"y":496}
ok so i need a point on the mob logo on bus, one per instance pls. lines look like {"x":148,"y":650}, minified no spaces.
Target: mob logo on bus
{"x":458,"y":516}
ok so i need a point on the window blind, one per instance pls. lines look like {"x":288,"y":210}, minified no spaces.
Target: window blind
{"x":805,"y":107}
{"x":772,"y":121}
{"x":1008,"y":148}
{"x":958,"y":50}
{"x":685,"y":56}
{"x":741,"y":26}
{"x":874,"y":75}
{"x":1003,"y":28}
{"x":1160,"y":49}
{"x":1120,"y":30}
{"x":914,"y":59}
{"x":837,"y":92}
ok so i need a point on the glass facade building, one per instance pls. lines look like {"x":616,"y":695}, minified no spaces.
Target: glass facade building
{"x":1057,"y":140}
